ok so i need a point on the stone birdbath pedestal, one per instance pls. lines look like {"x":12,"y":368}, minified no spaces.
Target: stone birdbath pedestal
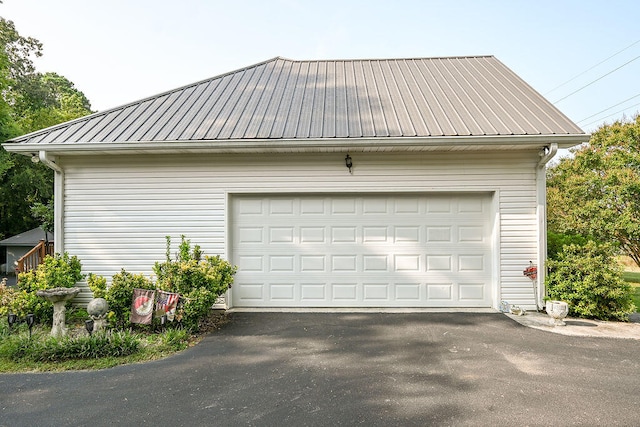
{"x":59,"y":297}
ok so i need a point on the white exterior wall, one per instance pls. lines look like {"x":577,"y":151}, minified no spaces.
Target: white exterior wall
{"x":118,"y":209}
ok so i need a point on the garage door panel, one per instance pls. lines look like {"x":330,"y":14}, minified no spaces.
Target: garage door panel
{"x":369,"y":251}
{"x":440,"y":292}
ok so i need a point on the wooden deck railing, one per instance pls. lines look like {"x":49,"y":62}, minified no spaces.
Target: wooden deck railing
{"x":34,"y":257}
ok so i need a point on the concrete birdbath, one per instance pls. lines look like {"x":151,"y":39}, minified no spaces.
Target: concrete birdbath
{"x":59,"y":297}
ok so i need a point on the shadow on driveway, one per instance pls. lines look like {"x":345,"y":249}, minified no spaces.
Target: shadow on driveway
{"x":347,"y":369}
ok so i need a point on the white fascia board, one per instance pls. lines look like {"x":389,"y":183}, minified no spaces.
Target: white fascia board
{"x":305,"y":145}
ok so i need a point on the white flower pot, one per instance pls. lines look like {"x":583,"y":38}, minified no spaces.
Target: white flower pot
{"x":557,"y":310}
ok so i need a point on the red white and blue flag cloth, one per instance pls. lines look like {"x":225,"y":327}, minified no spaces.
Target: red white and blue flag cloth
{"x":166,"y":304}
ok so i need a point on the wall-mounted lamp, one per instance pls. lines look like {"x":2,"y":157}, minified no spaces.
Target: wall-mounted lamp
{"x":35,"y":158}
{"x":348,"y":162}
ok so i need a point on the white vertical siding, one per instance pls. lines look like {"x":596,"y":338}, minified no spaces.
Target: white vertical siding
{"x":118,"y":209}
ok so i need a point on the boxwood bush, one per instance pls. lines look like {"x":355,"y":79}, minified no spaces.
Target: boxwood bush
{"x":54,"y":271}
{"x":589,"y":279}
{"x":199,"y":280}
{"x":119,"y":295}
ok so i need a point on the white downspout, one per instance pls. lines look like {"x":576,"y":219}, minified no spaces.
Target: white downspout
{"x":541,"y":182}
{"x":58,"y":201}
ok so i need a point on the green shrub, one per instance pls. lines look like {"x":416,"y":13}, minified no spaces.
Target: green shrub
{"x":120,"y":294}
{"x":7,"y":298}
{"x":58,"y":271}
{"x":590,"y":280}
{"x":198,"y":281}
{"x":98,"y":285}
{"x":556,"y":241}
{"x":52,"y":349}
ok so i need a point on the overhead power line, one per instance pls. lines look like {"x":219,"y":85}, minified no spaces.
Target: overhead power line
{"x":613,"y":114}
{"x":591,"y":68}
{"x":599,"y":78}
{"x":609,"y":108}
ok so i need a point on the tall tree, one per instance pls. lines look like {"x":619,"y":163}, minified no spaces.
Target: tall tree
{"x":28,"y":101}
{"x":596,"y":192}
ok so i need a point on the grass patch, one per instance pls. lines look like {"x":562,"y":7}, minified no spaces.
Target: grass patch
{"x":631,"y":277}
{"x":636,"y":295}
{"x":42,"y":353}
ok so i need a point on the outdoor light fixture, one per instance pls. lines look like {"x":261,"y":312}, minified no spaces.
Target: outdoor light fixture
{"x":88,"y":325}
{"x":12,"y":318}
{"x":348,"y":162}
{"x":31,"y":320}
{"x":35,"y":158}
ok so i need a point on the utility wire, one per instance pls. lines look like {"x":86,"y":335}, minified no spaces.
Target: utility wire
{"x":599,"y":78}
{"x":589,"y":69}
{"x":606,"y":109}
{"x":617,"y":112}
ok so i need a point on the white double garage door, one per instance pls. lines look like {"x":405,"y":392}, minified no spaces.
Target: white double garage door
{"x":418,"y":250}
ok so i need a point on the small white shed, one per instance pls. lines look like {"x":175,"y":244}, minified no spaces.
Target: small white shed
{"x":345,"y":183}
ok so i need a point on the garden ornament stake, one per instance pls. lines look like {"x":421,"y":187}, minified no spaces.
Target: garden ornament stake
{"x":88,"y":325}
{"x":12,"y":318}
{"x":532,"y":273}
{"x":31,"y":320}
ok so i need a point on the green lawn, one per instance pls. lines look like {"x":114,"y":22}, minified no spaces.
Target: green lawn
{"x":634,"y":280}
{"x":632,"y":276}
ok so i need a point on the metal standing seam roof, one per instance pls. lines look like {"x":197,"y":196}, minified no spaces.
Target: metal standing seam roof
{"x":286,"y":99}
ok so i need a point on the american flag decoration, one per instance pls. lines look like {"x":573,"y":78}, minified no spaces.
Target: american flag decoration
{"x":166,"y":304}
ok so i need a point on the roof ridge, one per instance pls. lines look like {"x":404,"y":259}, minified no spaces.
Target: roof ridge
{"x":385,"y":59}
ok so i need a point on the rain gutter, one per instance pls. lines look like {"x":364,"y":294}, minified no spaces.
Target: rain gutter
{"x":541,"y":182}
{"x":58,"y":201}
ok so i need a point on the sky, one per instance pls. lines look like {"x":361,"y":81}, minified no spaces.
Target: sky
{"x":583,"y":56}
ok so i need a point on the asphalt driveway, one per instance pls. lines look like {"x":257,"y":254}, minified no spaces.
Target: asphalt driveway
{"x":296,"y":369}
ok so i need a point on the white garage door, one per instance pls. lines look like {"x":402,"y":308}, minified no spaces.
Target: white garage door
{"x":362,"y":251}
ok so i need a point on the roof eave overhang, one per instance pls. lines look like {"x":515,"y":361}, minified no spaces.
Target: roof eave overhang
{"x":305,"y":145}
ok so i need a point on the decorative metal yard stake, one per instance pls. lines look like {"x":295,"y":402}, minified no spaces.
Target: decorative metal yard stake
{"x":31,"y":320}
{"x":88,"y":325}
{"x":532,"y":273}
{"x":12,"y":318}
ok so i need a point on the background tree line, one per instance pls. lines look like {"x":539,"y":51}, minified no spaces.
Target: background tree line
{"x":29,"y":101}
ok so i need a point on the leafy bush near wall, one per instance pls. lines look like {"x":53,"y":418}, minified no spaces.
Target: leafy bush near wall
{"x":97,"y":284}
{"x":7,"y":296}
{"x":54,"y":272}
{"x":556,"y":241}
{"x":120,"y":294}
{"x":199,"y":281}
{"x":590,"y":280}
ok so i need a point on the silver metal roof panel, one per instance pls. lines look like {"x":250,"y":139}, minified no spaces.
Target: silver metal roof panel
{"x":281,"y":98}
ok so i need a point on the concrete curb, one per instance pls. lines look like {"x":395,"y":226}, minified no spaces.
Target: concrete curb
{"x":581,"y":327}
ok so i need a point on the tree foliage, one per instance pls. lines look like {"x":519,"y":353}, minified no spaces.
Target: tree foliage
{"x":29,"y":101}
{"x":596,"y":192}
